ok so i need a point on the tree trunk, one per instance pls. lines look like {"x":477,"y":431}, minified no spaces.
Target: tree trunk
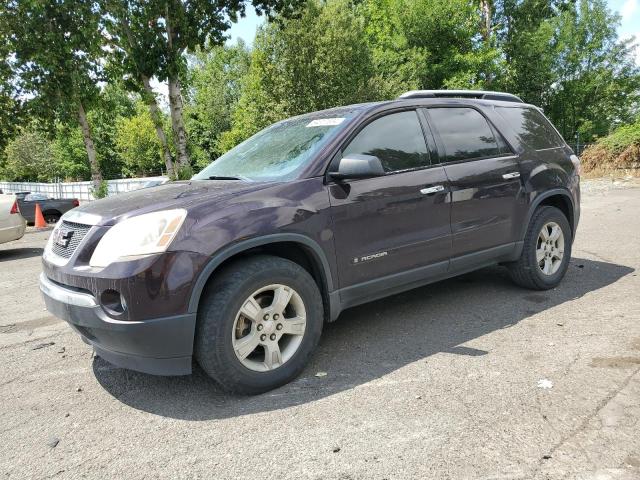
{"x":96,"y":176}
{"x":150,"y":99}
{"x":177,"y":122}
{"x":486,"y":13}
{"x":154,"y":111}
{"x":175,"y":93}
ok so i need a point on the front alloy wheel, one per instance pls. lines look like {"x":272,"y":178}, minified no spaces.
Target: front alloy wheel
{"x":258,"y":323}
{"x":269,"y":328}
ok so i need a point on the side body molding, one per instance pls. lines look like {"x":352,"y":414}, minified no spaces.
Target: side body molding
{"x":219,"y":257}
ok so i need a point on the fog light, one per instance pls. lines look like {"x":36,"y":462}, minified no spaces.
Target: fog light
{"x":113,"y":302}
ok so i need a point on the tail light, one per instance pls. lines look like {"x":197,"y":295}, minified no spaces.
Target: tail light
{"x":76,"y":202}
{"x":15,"y":209}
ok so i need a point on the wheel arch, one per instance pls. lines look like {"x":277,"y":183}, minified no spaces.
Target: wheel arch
{"x":559,"y":198}
{"x":295,"y":247}
{"x":52,"y":211}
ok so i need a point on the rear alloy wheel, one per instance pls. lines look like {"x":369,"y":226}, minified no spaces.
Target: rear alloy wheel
{"x":546,"y":251}
{"x":259,"y":321}
{"x":550,"y":248}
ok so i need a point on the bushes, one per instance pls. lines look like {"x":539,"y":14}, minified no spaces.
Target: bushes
{"x":618,"y":151}
{"x":29,"y":158}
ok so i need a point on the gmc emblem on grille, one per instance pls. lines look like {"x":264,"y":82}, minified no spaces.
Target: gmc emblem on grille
{"x":63,"y":237}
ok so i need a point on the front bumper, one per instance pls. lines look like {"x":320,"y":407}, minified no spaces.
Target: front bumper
{"x":160,"y":346}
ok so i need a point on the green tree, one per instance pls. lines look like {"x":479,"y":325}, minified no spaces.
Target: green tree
{"x":315,"y":61}
{"x":216,"y":80}
{"x":162,"y":31}
{"x":137,"y":143}
{"x":134,"y":64}
{"x":69,"y":153}
{"x":10,"y":111}
{"x":112,"y":104}
{"x":54,"y":50}
{"x":428,"y":44}
{"x":566,"y":57}
{"x":29,"y":157}
{"x":596,"y":81}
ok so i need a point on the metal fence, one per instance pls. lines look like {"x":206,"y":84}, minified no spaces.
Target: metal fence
{"x":79,"y":190}
{"x":579,"y":148}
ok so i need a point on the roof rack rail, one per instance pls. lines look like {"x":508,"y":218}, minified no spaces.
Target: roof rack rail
{"x":479,"y":94}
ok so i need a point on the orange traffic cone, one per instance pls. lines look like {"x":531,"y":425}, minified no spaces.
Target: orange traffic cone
{"x":40,"y":223}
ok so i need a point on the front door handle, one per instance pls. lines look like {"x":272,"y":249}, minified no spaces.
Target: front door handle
{"x":510,"y":175}
{"x":436,"y":189}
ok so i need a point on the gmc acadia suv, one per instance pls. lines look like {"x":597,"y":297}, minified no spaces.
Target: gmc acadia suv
{"x":241,"y":266}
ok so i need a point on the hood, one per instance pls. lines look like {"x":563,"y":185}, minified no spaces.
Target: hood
{"x":111,"y":210}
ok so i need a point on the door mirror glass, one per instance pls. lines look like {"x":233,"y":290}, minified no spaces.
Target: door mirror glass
{"x":358,"y":166}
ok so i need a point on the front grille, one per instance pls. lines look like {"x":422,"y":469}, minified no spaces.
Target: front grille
{"x":78,"y":232}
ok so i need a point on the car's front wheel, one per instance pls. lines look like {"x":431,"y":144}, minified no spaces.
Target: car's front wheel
{"x":546,"y":251}
{"x":259,"y":321}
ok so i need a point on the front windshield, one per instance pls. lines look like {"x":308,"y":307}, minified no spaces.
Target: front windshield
{"x":277,"y":152}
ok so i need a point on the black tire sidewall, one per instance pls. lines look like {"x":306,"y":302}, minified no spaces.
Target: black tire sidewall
{"x":548,"y":214}
{"x":221,"y":361}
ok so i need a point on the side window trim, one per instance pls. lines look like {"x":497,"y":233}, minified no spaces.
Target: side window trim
{"x":442,"y":154}
{"x":339,"y":152}
{"x":430,"y":137}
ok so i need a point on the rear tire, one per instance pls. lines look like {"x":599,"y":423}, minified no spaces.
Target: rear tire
{"x":548,"y":238}
{"x":51,"y":218}
{"x":258,"y":324}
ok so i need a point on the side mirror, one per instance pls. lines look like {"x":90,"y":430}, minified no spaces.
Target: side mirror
{"x":358,"y":166}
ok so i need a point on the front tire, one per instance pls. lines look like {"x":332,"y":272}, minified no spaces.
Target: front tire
{"x":258,"y":324}
{"x":546,"y":251}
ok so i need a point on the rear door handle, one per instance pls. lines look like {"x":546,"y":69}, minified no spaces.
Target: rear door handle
{"x":510,"y":175}
{"x":436,"y":189}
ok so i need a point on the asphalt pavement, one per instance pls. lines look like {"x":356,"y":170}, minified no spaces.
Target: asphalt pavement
{"x":471,"y":378}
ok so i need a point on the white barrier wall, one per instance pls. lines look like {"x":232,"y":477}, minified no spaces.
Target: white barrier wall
{"x":79,"y":190}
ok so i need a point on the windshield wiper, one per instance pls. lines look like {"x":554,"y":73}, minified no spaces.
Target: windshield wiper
{"x":219,"y":177}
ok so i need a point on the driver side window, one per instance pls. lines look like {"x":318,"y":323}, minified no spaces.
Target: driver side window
{"x":396,"y":139}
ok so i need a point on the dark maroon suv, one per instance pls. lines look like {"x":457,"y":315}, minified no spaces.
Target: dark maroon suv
{"x":241,"y":266}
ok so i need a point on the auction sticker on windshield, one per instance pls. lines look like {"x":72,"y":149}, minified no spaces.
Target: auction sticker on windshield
{"x":325,"y":122}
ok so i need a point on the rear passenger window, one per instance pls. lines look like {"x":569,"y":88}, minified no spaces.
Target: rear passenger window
{"x":465,"y":133}
{"x":396,"y":139}
{"x":531,"y":126}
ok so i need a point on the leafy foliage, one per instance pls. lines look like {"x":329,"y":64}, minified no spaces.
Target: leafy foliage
{"x":430,"y":44}
{"x":103,"y":56}
{"x":622,"y":138}
{"x":54,"y":55}
{"x":29,"y":158}
{"x":315,"y":61}
{"x":102,"y":191}
{"x":69,"y":153}
{"x":619,"y":150}
{"x":216,"y":84}
{"x":137,"y":144}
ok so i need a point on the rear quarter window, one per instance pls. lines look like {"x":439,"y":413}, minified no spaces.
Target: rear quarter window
{"x":531,"y":126}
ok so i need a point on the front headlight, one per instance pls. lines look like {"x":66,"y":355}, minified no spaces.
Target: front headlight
{"x":138,"y":236}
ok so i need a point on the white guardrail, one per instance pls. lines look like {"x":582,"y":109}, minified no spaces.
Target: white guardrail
{"x":79,"y":190}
